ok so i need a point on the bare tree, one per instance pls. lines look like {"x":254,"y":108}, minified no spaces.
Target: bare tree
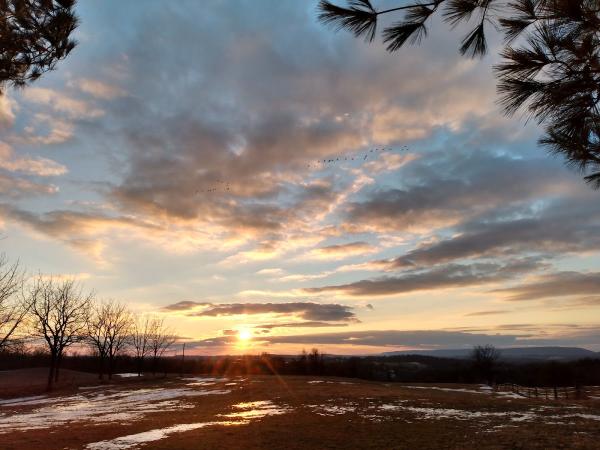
{"x":140,"y":340}
{"x":161,"y":339}
{"x":34,"y":36}
{"x":484,"y":359}
{"x":553,"y":74}
{"x":59,"y":312}
{"x":109,"y":327}
{"x":13,"y":306}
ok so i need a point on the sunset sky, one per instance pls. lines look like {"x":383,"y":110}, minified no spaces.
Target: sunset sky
{"x":462,"y":231}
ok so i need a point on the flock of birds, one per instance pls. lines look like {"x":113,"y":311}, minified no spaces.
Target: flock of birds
{"x":223,"y":186}
{"x":362,"y":157}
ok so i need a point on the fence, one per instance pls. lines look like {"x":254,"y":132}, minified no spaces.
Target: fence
{"x":551,"y":393}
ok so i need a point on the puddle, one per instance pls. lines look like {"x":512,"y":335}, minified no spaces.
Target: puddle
{"x":126,"y":375}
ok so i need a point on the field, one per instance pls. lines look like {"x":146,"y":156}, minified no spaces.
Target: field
{"x":289,"y":412}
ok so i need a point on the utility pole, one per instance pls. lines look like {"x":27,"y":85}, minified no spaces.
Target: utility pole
{"x":182,"y":359}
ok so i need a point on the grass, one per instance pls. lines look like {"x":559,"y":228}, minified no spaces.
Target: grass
{"x":330,"y":414}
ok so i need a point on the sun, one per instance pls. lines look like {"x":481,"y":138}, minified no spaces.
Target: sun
{"x":244,"y":335}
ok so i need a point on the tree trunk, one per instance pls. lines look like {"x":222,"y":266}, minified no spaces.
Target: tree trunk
{"x":51,"y":371}
{"x":140,"y":365}
{"x":101,"y":368}
{"x":57,"y":367}
{"x":110,"y":367}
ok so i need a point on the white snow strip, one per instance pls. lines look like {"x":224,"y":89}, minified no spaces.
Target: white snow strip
{"x":23,"y":401}
{"x":436,"y":388}
{"x":100,"y":407}
{"x":250,"y":410}
{"x":133,"y":440}
{"x":256,"y":410}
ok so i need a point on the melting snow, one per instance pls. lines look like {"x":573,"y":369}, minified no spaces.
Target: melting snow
{"x":257,"y":410}
{"x":24,"y":401}
{"x":463,"y":390}
{"x":123,"y":405}
{"x":133,"y":440}
{"x":250,"y":410}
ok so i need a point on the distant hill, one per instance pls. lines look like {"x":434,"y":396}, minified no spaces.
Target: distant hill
{"x":522,"y":353}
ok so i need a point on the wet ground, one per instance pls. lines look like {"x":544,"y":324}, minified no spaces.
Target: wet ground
{"x":290,"y":413}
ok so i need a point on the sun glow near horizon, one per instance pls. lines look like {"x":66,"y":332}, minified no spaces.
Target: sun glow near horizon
{"x":244,"y":337}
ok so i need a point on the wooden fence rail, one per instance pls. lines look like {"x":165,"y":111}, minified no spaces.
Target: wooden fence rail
{"x":551,"y":393}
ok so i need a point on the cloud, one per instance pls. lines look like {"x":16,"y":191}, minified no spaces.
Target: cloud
{"x":448,"y":276}
{"x":396,"y":338}
{"x":98,"y":89}
{"x":303,"y":310}
{"x":14,"y":187}
{"x":559,"y":284}
{"x":563,"y":226}
{"x":60,"y":102}
{"x":35,"y":166}
{"x":7,"y":111}
{"x":387,"y":340}
{"x":80,"y":230}
{"x":306,"y":324}
{"x":449,"y":187}
{"x":340,"y":251}
{"x":439,"y":339}
{"x":487,"y":313}
{"x":185,"y":305}
{"x":283,"y":112}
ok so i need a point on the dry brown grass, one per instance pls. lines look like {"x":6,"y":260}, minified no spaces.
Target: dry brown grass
{"x":304,"y":428}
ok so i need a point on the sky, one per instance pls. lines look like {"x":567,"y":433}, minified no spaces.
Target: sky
{"x":235,"y":166}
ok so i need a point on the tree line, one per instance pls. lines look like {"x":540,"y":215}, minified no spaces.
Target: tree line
{"x":55,"y":314}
